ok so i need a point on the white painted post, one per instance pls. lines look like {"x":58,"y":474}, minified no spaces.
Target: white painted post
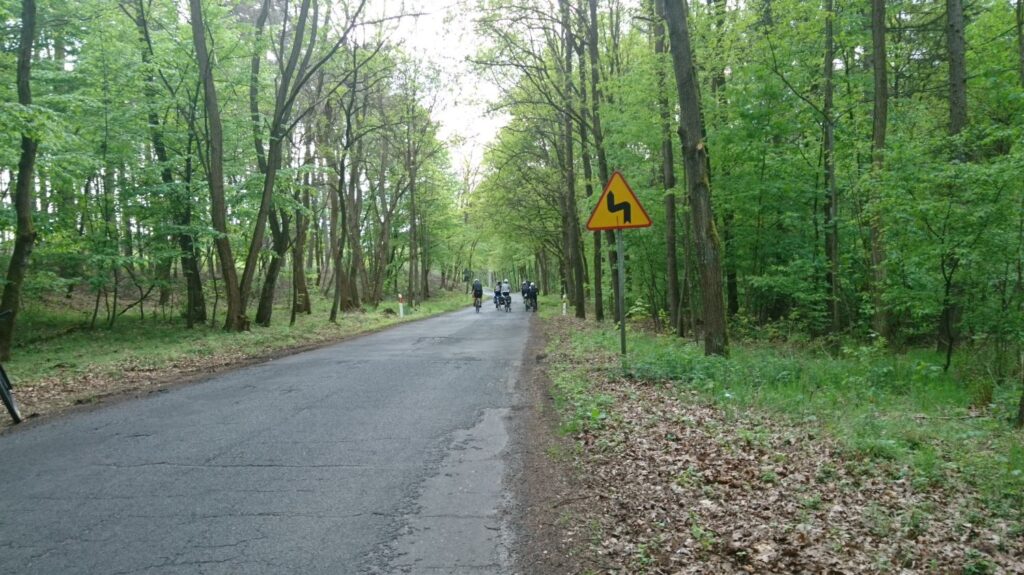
{"x":565,"y":305}
{"x":401,"y":306}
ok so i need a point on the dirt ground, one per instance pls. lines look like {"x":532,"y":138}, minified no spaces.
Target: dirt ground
{"x":673,"y":485}
{"x":550,"y":533}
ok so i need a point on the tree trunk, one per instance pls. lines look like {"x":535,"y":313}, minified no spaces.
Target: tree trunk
{"x":708,"y":249}
{"x":26,"y":235}
{"x":1020,"y":407}
{"x":717,"y":83}
{"x":195,"y":310}
{"x":341,"y":287}
{"x":279,"y":128}
{"x":280,"y":237}
{"x":880,"y":320}
{"x":300,"y":293}
{"x":1020,"y":263}
{"x":180,"y":200}
{"x":236,"y":320}
{"x":1020,"y":40}
{"x":330,"y":269}
{"x":832,"y":193}
{"x":588,"y":176}
{"x":424,"y":248}
{"x":668,"y":174}
{"x":353,"y":211}
{"x":957,"y":67}
{"x":950,"y":314}
{"x":110,"y":235}
{"x":575,"y":255}
{"x":413,"y":235}
{"x":596,"y":100}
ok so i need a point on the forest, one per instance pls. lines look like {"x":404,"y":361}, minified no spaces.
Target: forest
{"x":826,"y":314}
{"x":832,"y":172}
{"x":196,"y":156}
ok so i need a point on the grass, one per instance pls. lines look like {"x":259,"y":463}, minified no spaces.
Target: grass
{"x":902,"y":411}
{"x":58,"y":344}
{"x":582,"y":409}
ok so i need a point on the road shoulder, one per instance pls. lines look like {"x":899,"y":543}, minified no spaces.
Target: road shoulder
{"x":550,"y":536}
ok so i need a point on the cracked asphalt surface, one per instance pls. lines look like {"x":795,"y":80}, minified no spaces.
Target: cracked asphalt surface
{"x":389,"y":453}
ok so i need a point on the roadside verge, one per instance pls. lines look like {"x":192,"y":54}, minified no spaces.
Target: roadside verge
{"x":87,"y":368}
{"x":678,"y":481}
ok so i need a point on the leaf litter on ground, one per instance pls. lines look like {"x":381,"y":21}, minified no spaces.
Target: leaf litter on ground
{"x":681,"y":486}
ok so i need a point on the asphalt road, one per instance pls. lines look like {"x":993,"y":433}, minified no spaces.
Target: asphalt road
{"x":389,"y":453}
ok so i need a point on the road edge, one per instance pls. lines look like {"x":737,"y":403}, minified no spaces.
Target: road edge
{"x":177,"y":380}
{"x":543,"y":481}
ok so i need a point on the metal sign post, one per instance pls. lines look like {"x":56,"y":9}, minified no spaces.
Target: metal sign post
{"x":622,"y":289}
{"x":618,"y":208}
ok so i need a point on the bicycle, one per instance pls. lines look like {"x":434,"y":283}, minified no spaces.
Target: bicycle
{"x":476,"y":303}
{"x":5,"y":387}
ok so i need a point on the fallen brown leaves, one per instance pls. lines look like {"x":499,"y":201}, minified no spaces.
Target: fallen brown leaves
{"x":53,"y":394}
{"x":680,"y":487}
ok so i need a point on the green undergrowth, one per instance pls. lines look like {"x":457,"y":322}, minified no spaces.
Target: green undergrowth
{"x":583,"y":409}
{"x":53,"y":344}
{"x":900,"y":411}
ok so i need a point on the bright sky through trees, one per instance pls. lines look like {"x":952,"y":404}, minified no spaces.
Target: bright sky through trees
{"x":441,"y":32}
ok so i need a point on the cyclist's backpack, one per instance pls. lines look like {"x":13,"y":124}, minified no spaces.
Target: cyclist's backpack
{"x":477,"y":286}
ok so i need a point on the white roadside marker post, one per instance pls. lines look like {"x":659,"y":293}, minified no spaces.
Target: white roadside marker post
{"x":401,"y":306}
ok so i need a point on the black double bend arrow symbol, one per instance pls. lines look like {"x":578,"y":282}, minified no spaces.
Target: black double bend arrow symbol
{"x":623,"y":207}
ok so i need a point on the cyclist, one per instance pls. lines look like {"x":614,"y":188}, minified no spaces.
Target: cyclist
{"x":478,"y":292}
{"x":5,"y":385}
{"x":531,"y":295}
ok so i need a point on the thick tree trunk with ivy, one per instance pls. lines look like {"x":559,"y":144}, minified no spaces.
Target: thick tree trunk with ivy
{"x":708,"y":248}
{"x":25,"y":237}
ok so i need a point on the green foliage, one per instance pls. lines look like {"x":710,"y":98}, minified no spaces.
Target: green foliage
{"x":123,"y":161}
{"x":946,"y":210}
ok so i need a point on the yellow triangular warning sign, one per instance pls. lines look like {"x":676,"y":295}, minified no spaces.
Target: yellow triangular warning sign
{"x":618,"y":208}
